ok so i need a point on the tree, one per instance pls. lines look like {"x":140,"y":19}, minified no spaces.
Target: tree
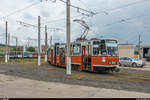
{"x":18,"y":49}
{"x":31,"y":49}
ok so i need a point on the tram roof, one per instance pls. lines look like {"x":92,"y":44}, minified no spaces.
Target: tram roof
{"x":86,"y":41}
{"x":103,"y":39}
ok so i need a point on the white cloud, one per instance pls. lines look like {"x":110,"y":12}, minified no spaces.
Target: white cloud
{"x":54,"y":11}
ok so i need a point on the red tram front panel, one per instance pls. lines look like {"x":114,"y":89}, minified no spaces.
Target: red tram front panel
{"x":104,"y":61}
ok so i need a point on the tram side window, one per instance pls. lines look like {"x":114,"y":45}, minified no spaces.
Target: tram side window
{"x":66,"y":50}
{"x":90,"y":52}
{"x":76,"y":50}
{"x":96,"y":47}
{"x":57,"y":51}
{"x":62,"y":51}
{"x":71,"y":51}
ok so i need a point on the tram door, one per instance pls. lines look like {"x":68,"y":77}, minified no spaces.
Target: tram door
{"x":84,"y":56}
{"x":88,"y":60}
{"x":62,"y":56}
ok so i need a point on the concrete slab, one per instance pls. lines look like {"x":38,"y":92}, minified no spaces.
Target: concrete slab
{"x":16,"y":87}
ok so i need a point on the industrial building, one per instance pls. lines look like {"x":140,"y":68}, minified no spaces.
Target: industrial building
{"x":126,"y":50}
{"x":146,"y":52}
{"x":131,"y":50}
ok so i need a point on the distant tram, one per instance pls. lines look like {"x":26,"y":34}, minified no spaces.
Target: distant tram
{"x":91,"y":55}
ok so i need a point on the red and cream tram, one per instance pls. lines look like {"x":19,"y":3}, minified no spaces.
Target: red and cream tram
{"x":92,"y":55}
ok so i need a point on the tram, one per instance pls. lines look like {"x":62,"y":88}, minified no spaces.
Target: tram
{"x":91,"y":55}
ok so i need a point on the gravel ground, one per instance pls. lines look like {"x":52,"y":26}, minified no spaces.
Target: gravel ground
{"x":146,"y":68}
{"x":126,"y":79}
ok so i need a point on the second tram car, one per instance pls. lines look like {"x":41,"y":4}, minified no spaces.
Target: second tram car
{"x":92,"y":55}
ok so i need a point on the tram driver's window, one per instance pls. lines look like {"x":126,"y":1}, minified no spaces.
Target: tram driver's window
{"x":95,"y":51}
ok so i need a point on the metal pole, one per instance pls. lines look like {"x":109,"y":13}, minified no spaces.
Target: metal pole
{"x":139,"y":47}
{"x":50,"y":42}
{"x":39,"y":43}
{"x":16,"y":47}
{"x":46,"y":44}
{"x":68,"y":69}
{"x":23,"y":52}
{"x":6,"y":45}
{"x":28,"y":42}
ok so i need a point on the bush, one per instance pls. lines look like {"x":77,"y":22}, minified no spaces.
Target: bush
{"x":31,"y":49}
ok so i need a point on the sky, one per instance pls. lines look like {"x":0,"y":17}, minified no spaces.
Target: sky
{"x":123,"y":20}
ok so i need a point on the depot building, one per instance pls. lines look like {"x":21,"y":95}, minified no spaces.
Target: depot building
{"x":131,"y":50}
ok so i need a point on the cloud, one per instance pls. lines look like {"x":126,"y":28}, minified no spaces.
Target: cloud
{"x":44,"y":13}
{"x":100,"y":25}
{"x":28,"y":16}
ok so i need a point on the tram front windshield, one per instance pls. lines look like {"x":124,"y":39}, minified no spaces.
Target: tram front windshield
{"x":112,"y":48}
{"x":105,"y":48}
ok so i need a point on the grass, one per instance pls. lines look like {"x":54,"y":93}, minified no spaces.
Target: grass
{"x":20,"y":61}
{"x":128,"y":76}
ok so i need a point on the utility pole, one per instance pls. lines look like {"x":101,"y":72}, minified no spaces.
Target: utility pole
{"x":28,"y":43}
{"x":50,"y":42}
{"x":68,"y":69}
{"x":139,"y":47}
{"x":23,"y":52}
{"x":39,"y":42}
{"x":16,"y":47}
{"x":6,"y":45}
{"x":46,"y":46}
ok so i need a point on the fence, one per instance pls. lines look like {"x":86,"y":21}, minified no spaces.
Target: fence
{"x":20,"y":54}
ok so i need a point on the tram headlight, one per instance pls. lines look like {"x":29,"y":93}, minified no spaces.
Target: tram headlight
{"x":113,"y":62}
{"x":109,"y":62}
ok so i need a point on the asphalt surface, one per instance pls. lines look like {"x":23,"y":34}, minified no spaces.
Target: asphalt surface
{"x":126,"y":79}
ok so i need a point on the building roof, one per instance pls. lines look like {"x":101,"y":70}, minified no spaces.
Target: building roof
{"x":2,"y":45}
{"x":126,"y":44}
{"x":145,"y":46}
